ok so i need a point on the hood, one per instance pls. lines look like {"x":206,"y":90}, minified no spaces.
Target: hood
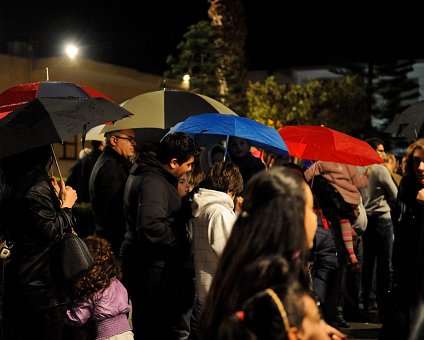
{"x":206,"y":197}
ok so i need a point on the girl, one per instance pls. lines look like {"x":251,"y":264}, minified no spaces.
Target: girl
{"x":99,"y":296}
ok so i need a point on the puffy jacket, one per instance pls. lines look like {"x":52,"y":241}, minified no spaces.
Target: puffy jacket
{"x":109,"y":310}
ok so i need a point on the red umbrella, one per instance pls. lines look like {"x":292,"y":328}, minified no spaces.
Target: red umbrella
{"x":325,"y":144}
{"x":18,"y":95}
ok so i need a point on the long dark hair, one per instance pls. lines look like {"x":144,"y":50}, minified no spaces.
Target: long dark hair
{"x":272,"y":223}
{"x":15,"y":168}
{"x":260,"y":316}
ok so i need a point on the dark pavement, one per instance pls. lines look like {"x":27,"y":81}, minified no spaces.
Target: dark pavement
{"x":366,"y":326}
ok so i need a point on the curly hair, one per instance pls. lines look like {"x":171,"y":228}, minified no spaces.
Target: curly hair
{"x":105,"y":269}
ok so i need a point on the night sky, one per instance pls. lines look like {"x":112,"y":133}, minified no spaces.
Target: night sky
{"x":141,"y":34}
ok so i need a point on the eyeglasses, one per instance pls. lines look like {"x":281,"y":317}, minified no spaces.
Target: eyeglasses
{"x":128,"y":138}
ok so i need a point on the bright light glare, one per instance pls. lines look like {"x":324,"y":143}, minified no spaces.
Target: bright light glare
{"x":71,"y":51}
{"x":186,"y":77}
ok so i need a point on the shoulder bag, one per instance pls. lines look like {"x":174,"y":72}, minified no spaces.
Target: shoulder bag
{"x":76,"y":259}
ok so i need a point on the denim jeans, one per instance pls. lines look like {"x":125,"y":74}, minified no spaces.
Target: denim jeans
{"x":378,"y":249}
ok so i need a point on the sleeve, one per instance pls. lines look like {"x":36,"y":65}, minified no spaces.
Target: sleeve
{"x":389,"y":185}
{"x":79,"y":313}
{"x":219,"y":230}
{"x":358,"y":179}
{"x":313,"y":170}
{"x":153,"y":217}
{"x":108,"y":183}
{"x":48,"y":219}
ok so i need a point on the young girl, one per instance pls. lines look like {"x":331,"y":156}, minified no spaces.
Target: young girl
{"x":99,"y":296}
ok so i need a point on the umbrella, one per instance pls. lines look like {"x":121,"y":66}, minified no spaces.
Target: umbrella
{"x":163,"y":109}
{"x":44,"y":121}
{"x":18,"y":95}
{"x":325,"y":144}
{"x":409,"y":123}
{"x":258,"y":134}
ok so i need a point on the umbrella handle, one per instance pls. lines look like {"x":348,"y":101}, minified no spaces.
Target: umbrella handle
{"x":58,"y":169}
{"x":226,"y":147}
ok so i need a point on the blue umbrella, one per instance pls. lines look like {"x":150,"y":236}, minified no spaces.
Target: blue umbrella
{"x":258,"y":134}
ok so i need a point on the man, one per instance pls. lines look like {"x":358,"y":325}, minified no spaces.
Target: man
{"x":156,"y":244}
{"x":107,"y":183}
{"x":79,"y":174}
{"x":378,"y":197}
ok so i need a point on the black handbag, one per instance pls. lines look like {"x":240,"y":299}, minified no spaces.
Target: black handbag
{"x":75,"y":258}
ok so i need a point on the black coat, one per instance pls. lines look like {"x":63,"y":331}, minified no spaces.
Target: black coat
{"x":34,"y":220}
{"x":107,"y":183}
{"x":155,"y":230}
{"x":79,"y":175}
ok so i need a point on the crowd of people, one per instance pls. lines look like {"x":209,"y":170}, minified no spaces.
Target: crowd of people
{"x":192,"y":243}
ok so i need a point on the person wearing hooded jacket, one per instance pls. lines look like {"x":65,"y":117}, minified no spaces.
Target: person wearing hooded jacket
{"x":213,"y":219}
{"x":156,"y":244}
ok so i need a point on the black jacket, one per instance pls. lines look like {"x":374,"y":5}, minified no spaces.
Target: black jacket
{"x":107,"y":183}
{"x":152,"y":209}
{"x":79,"y":175}
{"x":34,"y":219}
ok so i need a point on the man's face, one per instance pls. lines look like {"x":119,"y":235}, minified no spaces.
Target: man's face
{"x":123,"y":142}
{"x":180,"y":169}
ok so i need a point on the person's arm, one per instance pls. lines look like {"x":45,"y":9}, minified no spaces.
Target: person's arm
{"x":313,"y":170}
{"x":390,"y":188}
{"x":79,"y":313}
{"x":47,"y":215}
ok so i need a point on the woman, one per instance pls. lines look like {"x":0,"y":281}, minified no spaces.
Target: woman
{"x":277,"y":220}
{"x":34,"y":208}
{"x":284,"y":311}
{"x":408,"y":247}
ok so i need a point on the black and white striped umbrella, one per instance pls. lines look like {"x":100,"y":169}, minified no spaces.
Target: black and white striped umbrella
{"x":163,"y":109}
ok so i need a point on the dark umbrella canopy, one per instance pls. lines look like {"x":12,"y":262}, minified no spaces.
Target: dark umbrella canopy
{"x":409,"y":123}
{"x":17,"y":96}
{"x":45,"y":121}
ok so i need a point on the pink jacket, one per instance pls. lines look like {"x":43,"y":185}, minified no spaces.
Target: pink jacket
{"x":344,"y":177}
{"x":109,"y":311}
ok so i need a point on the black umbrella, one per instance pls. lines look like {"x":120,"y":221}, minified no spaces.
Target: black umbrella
{"x":409,"y":123}
{"x":45,"y":121}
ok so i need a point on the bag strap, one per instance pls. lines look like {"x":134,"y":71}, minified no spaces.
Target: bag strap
{"x":280,"y":307}
{"x":71,"y":222}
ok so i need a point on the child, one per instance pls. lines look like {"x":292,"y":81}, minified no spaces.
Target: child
{"x":99,"y":296}
{"x":239,"y":151}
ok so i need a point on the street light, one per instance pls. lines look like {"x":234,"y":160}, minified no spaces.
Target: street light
{"x":71,"y":51}
{"x":186,"y":82}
